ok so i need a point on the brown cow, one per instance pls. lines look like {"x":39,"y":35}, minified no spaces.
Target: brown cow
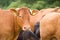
{"x":26,"y":33}
{"x":9,"y":28}
{"x":50,"y":26}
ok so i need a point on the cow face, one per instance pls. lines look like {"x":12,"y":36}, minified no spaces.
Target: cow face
{"x":24,"y":14}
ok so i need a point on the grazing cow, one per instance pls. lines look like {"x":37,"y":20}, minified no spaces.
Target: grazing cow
{"x":50,"y":26}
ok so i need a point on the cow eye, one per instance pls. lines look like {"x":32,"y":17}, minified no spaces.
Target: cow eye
{"x":20,"y":16}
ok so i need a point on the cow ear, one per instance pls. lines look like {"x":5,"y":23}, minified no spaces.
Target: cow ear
{"x":14,"y":12}
{"x":34,"y":12}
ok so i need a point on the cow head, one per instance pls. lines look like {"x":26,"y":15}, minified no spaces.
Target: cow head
{"x":23,"y":15}
{"x":26,"y":35}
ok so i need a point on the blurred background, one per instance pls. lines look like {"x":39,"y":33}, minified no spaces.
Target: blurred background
{"x":33,"y":4}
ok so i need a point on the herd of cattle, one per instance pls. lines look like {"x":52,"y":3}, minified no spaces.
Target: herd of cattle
{"x":26,"y":24}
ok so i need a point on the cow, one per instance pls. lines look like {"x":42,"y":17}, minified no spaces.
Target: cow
{"x":50,"y":26}
{"x":9,"y":27}
{"x":26,"y":32}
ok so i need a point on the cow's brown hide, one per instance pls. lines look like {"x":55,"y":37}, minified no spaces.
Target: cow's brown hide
{"x":6,"y":25}
{"x":9,"y":27}
{"x":50,"y":26}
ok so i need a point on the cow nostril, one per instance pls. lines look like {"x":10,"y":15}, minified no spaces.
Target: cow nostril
{"x":26,"y":28}
{"x":19,"y":16}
